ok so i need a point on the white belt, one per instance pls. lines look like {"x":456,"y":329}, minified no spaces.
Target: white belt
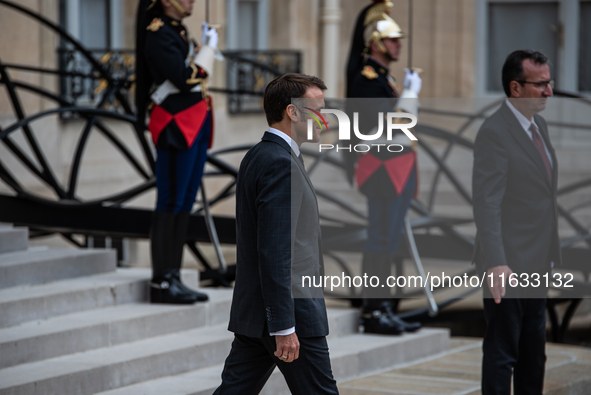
{"x":168,"y":88}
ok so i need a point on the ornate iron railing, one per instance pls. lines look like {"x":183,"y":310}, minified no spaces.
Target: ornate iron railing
{"x":249,"y":72}
{"x":82,"y":85}
{"x":67,"y":213}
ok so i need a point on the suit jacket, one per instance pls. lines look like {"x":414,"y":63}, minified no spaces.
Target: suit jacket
{"x":278,"y":238}
{"x":514,"y":201}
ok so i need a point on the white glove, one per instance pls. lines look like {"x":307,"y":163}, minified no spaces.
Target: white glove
{"x":212,"y":38}
{"x":412,"y":81}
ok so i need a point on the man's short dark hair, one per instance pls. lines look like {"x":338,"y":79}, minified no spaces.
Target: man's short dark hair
{"x":513,"y":67}
{"x":282,"y":89}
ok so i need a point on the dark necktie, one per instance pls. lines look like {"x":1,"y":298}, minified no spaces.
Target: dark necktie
{"x":537,"y":139}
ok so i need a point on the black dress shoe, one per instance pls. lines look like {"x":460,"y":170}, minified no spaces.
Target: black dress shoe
{"x":384,"y":321}
{"x":408,"y":326}
{"x":176,"y":274}
{"x":170,"y":290}
{"x":380,"y":323}
{"x":388,"y":308}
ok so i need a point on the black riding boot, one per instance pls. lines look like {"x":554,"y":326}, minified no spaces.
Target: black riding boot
{"x":378,"y":310}
{"x":181,"y":223}
{"x":379,"y":318}
{"x":376,"y":303}
{"x":165,"y":287}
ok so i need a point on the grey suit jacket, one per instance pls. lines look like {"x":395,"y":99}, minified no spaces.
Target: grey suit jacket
{"x":514,"y":201}
{"x":278,"y":240}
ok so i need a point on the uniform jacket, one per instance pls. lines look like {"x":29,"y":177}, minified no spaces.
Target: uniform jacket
{"x":278,"y":238}
{"x":514,"y":202}
{"x":178,"y":119}
{"x":378,"y":173}
{"x":355,"y":60}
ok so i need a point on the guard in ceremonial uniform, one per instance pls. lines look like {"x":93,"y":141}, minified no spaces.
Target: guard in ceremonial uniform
{"x":171,"y":75}
{"x":356,"y":53}
{"x":388,"y":179}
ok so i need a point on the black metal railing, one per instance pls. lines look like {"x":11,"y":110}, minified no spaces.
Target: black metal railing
{"x":84,"y":73}
{"x":249,"y":72}
{"x":82,"y":85}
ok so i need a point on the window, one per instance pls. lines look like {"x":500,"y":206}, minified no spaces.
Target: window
{"x":96,"y":23}
{"x":247,"y":24}
{"x":561,"y":29}
{"x":507,"y":33}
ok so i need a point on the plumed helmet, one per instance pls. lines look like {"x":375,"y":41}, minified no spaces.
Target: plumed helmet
{"x":379,"y":25}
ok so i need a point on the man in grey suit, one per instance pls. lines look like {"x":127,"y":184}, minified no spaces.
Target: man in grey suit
{"x":514,"y":192}
{"x":278,"y":238}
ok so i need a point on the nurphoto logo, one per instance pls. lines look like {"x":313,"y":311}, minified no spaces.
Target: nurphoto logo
{"x":393,"y":120}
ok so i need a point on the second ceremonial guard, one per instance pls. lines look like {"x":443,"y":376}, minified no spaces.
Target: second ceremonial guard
{"x":387,"y":177}
{"x":171,"y":73}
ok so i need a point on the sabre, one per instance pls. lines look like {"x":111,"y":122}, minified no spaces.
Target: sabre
{"x":410,"y":14}
{"x":414,"y":252}
{"x":213,"y":234}
{"x":410,"y":34}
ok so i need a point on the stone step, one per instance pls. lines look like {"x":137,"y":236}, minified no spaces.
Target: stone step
{"x":64,"y":334}
{"x":343,"y":321}
{"x":137,"y":360}
{"x":12,"y":239}
{"x":72,"y":333}
{"x":41,"y":265}
{"x":99,"y":370}
{"x":37,"y":302}
{"x":351,"y":356}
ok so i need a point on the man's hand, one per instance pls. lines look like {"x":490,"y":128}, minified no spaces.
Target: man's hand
{"x":500,"y":277}
{"x":288,"y":347}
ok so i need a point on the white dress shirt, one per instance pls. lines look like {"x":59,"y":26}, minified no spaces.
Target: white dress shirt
{"x":296,"y":151}
{"x":525,"y":124}
{"x":288,"y":140}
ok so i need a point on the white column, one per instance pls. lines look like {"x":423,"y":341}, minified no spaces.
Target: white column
{"x":568,"y":56}
{"x":331,"y":68}
{"x":73,"y":18}
{"x":116,"y":24}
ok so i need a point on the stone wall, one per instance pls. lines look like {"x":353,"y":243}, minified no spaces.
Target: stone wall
{"x":443,"y":45}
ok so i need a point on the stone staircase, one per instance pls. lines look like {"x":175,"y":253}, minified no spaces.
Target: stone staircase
{"x":72,"y":323}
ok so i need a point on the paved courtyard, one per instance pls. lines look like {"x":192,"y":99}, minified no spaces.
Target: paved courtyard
{"x":457,"y":372}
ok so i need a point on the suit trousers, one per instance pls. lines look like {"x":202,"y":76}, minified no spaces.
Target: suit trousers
{"x":514,"y":344}
{"x":251,"y":362}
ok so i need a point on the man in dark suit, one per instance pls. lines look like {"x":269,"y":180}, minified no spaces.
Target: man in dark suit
{"x":278,"y":238}
{"x":514,"y":191}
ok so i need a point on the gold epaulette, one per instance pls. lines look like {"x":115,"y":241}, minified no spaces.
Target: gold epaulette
{"x":369,"y":73}
{"x":155,"y":25}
